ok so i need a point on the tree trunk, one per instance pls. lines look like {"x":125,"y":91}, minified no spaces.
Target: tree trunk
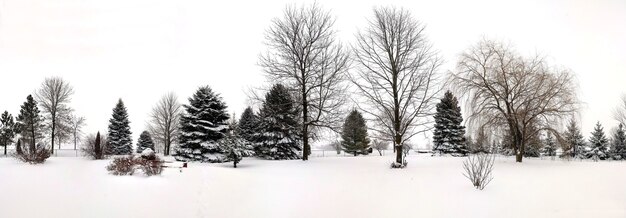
{"x":519,"y":145}
{"x":5,"y":150}
{"x":398,"y":151}
{"x":53,"y":128}
{"x":305,"y":125}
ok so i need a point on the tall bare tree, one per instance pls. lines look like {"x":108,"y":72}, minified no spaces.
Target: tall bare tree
{"x":76,"y":125}
{"x":620,"y":112}
{"x":397,"y":76}
{"x":521,"y":94}
{"x":305,"y":55}
{"x":164,"y":118}
{"x":53,"y":96}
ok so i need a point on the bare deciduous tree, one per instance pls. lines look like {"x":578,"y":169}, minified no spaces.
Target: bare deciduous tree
{"x":397,"y":76}
{"x":620,"y":112}
{"x":53,"y":95}
{"x":76,"y":125}
{"x":505,"y":90}
{"x":304,"y":53}
{"x":163,"y":124}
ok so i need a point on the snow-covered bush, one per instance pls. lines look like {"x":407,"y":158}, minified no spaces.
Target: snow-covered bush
{"x":33,"y":155}
{"x":148,"y":162}
{"x":122,"y":165}
{"x":478,"y":169}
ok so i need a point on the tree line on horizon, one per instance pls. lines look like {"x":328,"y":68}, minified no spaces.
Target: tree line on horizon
{"x":394,"y":71}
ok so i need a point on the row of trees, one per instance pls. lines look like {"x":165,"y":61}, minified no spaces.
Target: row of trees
{"x":396,"y":77}
{"x":53,"y":124}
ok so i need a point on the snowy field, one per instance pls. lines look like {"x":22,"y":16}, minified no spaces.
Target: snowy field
{"x":321,"y":187}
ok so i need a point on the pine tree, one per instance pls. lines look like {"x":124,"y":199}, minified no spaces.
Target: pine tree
{"x":119,"y":136}
{"x":7,"y":130}
{"x":618,"y":145}
{"x":202,"y":126}
{"x":575,"y":140}
{"x":354,"y":139}
{"x":144,"y":142}
{"x":30,"y":123}
{"x":597,"y":144}
{"x":550,"y":146}
{"x":236,"y":148}
{"x":248,"y":124}
{"x":277,"y":133}
{"x":449,"y":133}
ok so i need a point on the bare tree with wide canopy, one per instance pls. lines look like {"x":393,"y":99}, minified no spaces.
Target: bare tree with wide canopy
{"x":305,"y":56}
{"x":53,"y":96}
{"x":397,"y":76}
{"x":164,"y":121}
{"x":524,"y":95}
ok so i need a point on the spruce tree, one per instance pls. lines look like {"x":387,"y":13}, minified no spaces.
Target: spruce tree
{"x":7,"y":130}
{"x":235,"y":148}
{"x":248,"y":124}
{"x":550,"y":145}
{"x":144,"y":142}
{"x":202,"y":126}
{"x":575,"y":140}
{"x":119,"y":136}
{"x":618,"y":145}
{"x":277,"y":136}
{"x":354,"y":138}
{"x":30,"y":123}
{"x":597,"y":144}
{"x":449,"y":133}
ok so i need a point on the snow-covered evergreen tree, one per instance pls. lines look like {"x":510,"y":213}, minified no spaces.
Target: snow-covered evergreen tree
{"x":8,"y":129}
{"x":354,"y":138}
{"x":618,"y":143}
{"x":277,"y":133}
{"x":575,"y":141}
{"x":30,"y":123}
{"x":236,"y":148}
{"x":119,"y":136}
{"x":549,"y":148}
{"x":598,"y":144}
{"x":202,"y":126}
{"x":449,"y":133}
{"x":144,"y":142}
{"x":248,"y":124}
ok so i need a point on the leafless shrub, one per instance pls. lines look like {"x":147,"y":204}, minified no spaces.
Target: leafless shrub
{"x":123,"y":165}
{"x":148,"y":162}
{"x":478,"y":169}
{"x":32,"y":155}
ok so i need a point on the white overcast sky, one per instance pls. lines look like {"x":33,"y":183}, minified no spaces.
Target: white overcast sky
{"x":138,"y":50}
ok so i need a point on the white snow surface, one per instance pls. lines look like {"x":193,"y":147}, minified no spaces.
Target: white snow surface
{"x":363,"y":186}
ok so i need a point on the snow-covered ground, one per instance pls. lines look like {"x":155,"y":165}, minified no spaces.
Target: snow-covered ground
{"x":321,"y":187}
